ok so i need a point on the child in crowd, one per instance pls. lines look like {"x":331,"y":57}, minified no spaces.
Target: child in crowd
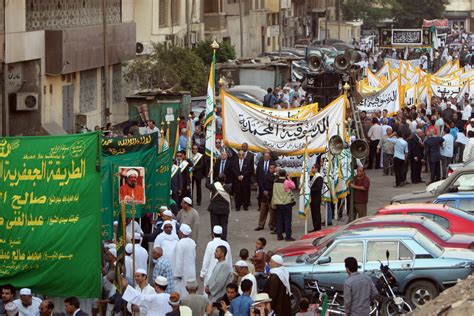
{"x":304,"y":308}
{"x":259,"y":259}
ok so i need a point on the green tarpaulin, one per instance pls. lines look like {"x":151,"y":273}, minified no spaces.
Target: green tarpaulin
{"x":49,"y":214}
{"x":133,"y":152}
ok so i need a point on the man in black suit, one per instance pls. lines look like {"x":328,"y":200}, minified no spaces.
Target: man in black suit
{"x":316,"y":195}
{"x":224,"y":165}
{"x":242,"y":181}
{"x":199,"y":169}
{"x":415,"y":153}
{"x":72,"y":307}
{"x":250,"y":157}
{"x":181,"y":181}
{"x":46,"y":309}
{"x":263,"y":167}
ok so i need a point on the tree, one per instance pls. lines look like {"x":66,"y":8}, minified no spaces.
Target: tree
{"x":410,"y":13}
{"x":168,"y":68}
{"x":225,"y":52}
{"x":370,"y":11}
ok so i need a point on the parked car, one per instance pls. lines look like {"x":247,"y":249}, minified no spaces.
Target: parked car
{"x":454,"y":166}
{"x":460,"y":180}
{"x":454,"y":220}
{"x":461,"y":200}
{"x":426,"y":226}
{"x":422,"y":267}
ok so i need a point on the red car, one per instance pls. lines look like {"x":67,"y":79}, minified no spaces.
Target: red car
{"x":426,"y":226}
{"x":453,"y":219}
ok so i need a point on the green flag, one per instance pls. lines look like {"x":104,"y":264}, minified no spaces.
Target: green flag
{"x":49,"y":214}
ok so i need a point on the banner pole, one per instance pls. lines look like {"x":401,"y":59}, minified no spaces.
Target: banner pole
{"x":133,"y":242}
{"x":122,"y":244}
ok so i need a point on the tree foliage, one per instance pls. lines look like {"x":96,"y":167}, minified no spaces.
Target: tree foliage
{"x":170,"y":67}
{"x":410,"y":13}
{"x":225,"y":52}
{"x":406,"y":13}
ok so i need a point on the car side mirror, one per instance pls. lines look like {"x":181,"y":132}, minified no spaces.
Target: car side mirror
{"x":323,"y":260}
{"x":454,"y":188}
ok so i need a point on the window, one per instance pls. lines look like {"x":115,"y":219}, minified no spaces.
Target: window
{"x":443,"y":222}
{"x":464,"y":182}
{"x":466,"y":205}
{"x":376,"y":250}
{"x":176,"y":12}
{"x":343,"y":250}
{"x":163,"y":13}
{"x":447,"y":202}
{"x":404,"y":253}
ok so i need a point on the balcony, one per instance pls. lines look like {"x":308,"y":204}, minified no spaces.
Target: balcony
{"x":76,"y":49}
{"x":215,"y":22}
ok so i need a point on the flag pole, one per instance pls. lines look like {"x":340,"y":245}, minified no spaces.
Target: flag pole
{"x":211,"y":112}
{"x":304,"y":184}
{"x":133,"y":241}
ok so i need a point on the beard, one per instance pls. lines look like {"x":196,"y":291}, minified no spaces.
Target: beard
{"x":131,"y":184}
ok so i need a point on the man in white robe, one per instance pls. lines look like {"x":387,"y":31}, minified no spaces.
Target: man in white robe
{"x":242,"y":270}
{"x":129,"y":263}
{"x":156,"y":303}
{"x":141,"y":255}
{"x":209,"y":260}
{"x":184,"y":264}
{"x":142,"y":287}
{"x":167,"y":241}
{"x":132,"y":228}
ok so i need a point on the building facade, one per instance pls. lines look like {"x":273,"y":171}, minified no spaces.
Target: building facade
{"x":53,"y":65}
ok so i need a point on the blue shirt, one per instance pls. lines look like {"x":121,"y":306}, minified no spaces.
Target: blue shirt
{"x":163,"y":268}
{"x":182,"y":142}
{"x":240,"y":306}
{"x":400,"y":149}
{"x":448,"y":146}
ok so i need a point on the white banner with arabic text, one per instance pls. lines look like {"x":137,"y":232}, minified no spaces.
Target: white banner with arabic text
{"x":386,"y":99}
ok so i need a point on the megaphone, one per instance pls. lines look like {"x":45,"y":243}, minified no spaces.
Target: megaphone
{"x":335,"y":145}
{"x":359,"y":149}
{"x":341,"y":62}
{"x":353,"y":55}
{"x":315,"y":62}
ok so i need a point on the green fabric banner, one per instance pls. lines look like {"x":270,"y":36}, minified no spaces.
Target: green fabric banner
{"x":157,"y":184}
{"x":115,"y":146}
{"x":49,"y":214}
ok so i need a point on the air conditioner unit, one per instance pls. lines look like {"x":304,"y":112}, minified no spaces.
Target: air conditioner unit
{"x":26,"y":101}
{"x":143,"y":48}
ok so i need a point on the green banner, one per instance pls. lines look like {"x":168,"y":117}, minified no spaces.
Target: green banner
{"x":157,"y":184}
{"x":115,"y":146}
{"x":49,"y":214}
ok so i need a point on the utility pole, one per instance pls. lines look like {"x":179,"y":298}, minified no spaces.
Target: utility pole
{"x":338,"y":19}
{"x":188,"y":38}
{"x":5,"y":109}
{"x":241,"y":30}
{"x":106,"y":109}
{"x":326,"y":23}
{"x":280,"y":27}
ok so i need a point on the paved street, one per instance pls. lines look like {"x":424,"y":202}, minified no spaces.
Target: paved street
{"x":241,"y":224}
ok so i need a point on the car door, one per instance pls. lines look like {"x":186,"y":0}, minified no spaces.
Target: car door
{"x":334,"y":273}
{"x":400,"y":260}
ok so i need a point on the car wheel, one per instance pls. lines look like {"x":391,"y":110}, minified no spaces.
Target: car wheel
{"x":421,"y":292}
{"x":295,"y":300}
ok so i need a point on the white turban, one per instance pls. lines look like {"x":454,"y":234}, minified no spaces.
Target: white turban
{"x":131,"y":172}
{"x":185,"y":229}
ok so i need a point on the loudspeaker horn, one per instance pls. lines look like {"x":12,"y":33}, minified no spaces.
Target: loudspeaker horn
{"x":341,"y":62}
{"x":353,"y":55}
{"x":359,"y":149}
{"x":336,"y":145}
{"x":315,"y":62}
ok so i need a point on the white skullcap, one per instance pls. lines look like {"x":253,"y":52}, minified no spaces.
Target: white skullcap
{"x":161,"y":280}
{"x":168,"y":213}
{"x":167,"y":222}
{"x":113,"y":251}
{"x":241,"y":263}
{"x":185,"y":229}
{"x":217,"y":230}
{"x":163,"y":208}
{"x":132,"y":172}
{"x":115,"y":223}
{"x":11,"y":309}
{"x":141,"y":271}
{"x":137,"y":236}
{"x":111,"y":245}
{"x":25,"y":291}
{"x":277,"y":259}
{"x":129,"y":248}
{"x":188,"y":200}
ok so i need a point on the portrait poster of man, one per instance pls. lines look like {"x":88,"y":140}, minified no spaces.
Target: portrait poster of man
{"x":132,"y":185}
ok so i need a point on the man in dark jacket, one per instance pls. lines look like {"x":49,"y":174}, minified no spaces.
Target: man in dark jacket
{"x":180,"y":179}
{"x":199,"y":168}
{"x":316,"y":192}
{"x":219,"y":206}
{"x":415,"y":153}
{"x":223,"y":165}
{"x":242,"y":181}
{"x":262,"y":170}
{"x":266,"y":200}
{"x":278,"y":287}
{"x":433,"y":151}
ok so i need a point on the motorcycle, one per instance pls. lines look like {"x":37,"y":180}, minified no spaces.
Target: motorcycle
{"x":392,"y":304}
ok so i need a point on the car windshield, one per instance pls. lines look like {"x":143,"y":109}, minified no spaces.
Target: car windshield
{"x":315,"y":255}
{"x":461,"y":213}
{"x":464,"y":182}
{"x":430,"y":246}
{"x":320,"y":241}
{"x":437,"y":229}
